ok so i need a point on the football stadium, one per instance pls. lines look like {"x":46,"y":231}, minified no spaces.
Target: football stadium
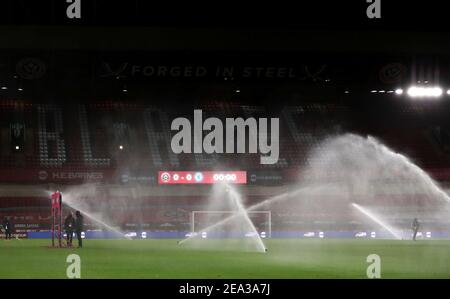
{"x":153,"y":151}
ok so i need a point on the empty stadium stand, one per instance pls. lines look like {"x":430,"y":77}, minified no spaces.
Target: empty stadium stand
{"x":62,"y":145}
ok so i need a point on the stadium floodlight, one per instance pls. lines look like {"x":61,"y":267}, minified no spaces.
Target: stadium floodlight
{"x":418,"y":91}
{"x":448,"y":91}
{"x":399,"y":91}
{"x":121,"y":147}
{"x":17,"y":147}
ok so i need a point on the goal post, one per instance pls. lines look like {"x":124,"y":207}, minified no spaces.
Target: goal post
{"x":196,"y":214}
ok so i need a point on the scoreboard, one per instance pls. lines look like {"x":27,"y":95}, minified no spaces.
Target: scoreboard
{"x":201,"y":177}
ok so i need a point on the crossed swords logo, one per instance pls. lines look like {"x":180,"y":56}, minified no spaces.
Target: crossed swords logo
{"x":314,"y":76}
{"x":117,"y":73}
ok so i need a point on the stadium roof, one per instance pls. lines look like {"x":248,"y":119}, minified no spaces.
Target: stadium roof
{"x":221,"y":38}
{"x":325,"y":25}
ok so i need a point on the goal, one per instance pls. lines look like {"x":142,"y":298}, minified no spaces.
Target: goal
{"x":205,"y":220}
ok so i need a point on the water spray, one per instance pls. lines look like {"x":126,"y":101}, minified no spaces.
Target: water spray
{"x":415,"y":169}
{"x":95,"y":219}
{"x":237,"y":200}
{"x":70,"y":202}
{"x":241,"y":211}
{"x":377,"y":220}
{"x":271,"y":200}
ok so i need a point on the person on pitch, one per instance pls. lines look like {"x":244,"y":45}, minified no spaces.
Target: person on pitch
{"x":69,"y":225}
{"x":7,"y":227}
{"x":415,"y":227}
{"x":79,"y":227}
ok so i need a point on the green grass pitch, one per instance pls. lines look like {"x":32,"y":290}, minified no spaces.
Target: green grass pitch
{"x":286,"y":258}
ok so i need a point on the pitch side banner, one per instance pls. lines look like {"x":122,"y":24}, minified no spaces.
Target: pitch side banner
{"x":201,"y":177}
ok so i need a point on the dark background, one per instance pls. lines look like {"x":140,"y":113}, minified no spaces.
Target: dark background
{"x":299,"y":34}
{"x":324,"y":14}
